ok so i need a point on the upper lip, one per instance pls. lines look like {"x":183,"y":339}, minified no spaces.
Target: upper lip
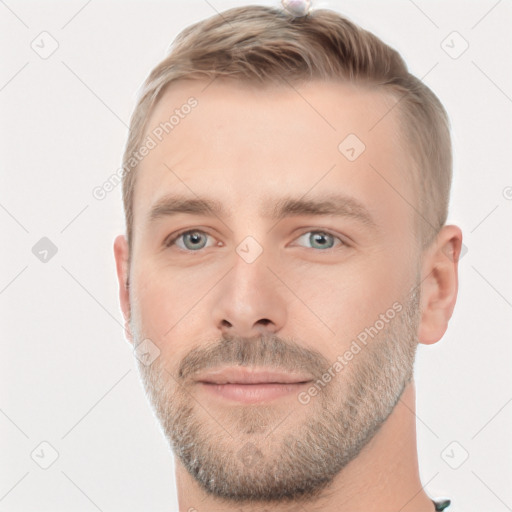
{"x":247,"y":375}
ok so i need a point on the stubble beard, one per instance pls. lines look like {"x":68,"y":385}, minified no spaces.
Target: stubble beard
{"x":260,"y":453}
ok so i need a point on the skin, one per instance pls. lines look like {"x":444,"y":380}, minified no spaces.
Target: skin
{"x":244,"y":145}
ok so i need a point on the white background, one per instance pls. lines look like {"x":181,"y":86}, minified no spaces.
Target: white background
{"x":67,"y":375}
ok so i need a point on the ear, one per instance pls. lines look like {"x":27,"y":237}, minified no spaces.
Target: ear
{"x":440,"y":284}
{"x":121,"y":254}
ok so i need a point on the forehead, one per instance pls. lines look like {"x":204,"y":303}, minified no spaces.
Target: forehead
{"x":243,"y":144}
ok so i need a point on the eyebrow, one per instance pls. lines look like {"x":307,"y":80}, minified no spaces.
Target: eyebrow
{"x":329,"y":204}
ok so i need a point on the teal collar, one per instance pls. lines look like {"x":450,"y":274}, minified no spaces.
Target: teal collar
{"x":441,"y":504}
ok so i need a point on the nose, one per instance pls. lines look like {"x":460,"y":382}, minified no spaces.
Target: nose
{"x":250,"y":300}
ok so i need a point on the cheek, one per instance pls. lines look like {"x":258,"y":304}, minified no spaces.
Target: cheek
{"x":342,"y":300}
{"x":169,"y":305}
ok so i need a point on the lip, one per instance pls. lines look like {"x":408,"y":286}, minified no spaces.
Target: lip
{"x":251,"y":385}
{"x":246,"y":375}
{"x":252,"y":393}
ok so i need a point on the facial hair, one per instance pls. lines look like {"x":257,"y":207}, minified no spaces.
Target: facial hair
{"x":260,"y":453}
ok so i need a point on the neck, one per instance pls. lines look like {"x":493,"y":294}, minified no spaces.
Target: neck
{"x":384,"y":476}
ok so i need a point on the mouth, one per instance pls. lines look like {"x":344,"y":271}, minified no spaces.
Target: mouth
{"x":247,"y":375}
{"x":251,"y":385}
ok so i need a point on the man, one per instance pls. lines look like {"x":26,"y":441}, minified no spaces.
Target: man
{"x":286,"y":191}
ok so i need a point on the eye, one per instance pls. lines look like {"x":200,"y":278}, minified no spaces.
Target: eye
{"x":320,"y":239}
{"x":192,"y":240}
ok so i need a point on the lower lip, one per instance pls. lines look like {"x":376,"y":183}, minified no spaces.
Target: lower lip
{"x":252,"y":393}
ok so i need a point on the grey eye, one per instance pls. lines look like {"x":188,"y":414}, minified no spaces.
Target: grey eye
{"x":319,"y":239}
{"x":193,"y":240}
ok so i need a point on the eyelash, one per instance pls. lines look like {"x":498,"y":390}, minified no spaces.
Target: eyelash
{"x":171,"y":241}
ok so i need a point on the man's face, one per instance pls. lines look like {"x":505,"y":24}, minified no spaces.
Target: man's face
{"x":293,"y":294}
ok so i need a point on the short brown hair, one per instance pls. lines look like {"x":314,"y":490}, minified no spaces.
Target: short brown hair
{"x":258,"y":44}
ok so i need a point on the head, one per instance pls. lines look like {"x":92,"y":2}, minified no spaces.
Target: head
{"x":288,"y":212}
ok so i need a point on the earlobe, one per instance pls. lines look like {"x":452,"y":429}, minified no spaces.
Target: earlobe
{"x":121,"y":254}
{"x":439,"y":284}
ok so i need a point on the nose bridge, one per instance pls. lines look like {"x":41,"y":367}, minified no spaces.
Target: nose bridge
{"x":250,"y":274}
{"x":249,"y":300}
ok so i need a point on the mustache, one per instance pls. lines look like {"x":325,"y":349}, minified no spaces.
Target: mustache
{"x":269,"y":351}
